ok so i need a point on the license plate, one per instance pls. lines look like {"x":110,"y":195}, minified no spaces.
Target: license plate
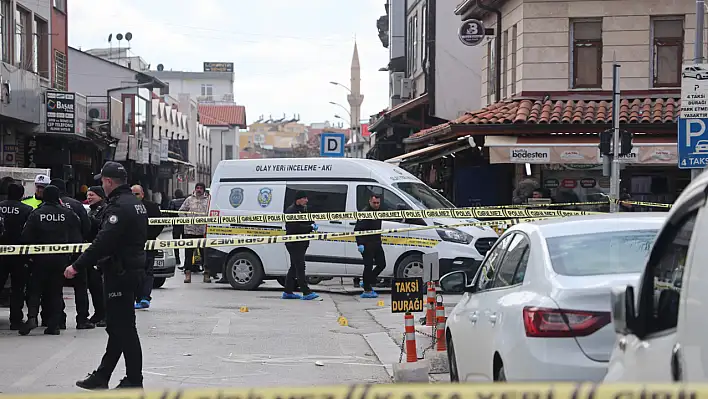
{"x":159,"y":263}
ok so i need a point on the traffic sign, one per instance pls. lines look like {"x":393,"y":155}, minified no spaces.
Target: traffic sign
{"x":693,"y":123}
{"x":332,"y":144}
{"x":471,"y":32}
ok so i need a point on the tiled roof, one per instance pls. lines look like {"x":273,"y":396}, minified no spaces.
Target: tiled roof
{"x":222,"y":115}
{"x":539,"y":112}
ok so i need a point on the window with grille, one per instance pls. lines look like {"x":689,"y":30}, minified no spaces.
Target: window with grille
{"x":60,"y":71}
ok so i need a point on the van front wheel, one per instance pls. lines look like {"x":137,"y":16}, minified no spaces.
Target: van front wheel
{"x":244,"y":271}
{"x":410,"y":266}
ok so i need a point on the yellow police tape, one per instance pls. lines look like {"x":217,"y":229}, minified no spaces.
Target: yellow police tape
{"x":454,"y":213}
{"x":561,"y":390}
{"x":38,"y":249}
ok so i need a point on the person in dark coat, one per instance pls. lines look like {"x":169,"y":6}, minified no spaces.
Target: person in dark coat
{"x":96,"y":198}
{"x":371,"y":248}
{"x":143,"y":298}
{"x":296,"y":274}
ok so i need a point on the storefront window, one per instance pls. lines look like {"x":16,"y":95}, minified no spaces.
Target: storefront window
{"x":424,"y":196}
{"x":128,"y":115}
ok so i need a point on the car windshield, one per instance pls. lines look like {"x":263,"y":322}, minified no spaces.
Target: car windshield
{"x":612,"y":252}
{"x":424,"y":196}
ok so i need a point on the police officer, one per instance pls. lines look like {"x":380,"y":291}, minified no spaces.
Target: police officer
{"x":370,"y":248}
{"x":296,"y":274}
{"x":80,"y":283}
{"x":143,"y":298}
{"x":119,"y":250}
{"x":40,"y":181}
{"x":15,"y":214}
{"x":51,"y":223}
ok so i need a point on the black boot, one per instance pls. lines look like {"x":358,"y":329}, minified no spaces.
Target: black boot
{"x":52,"y":331}
{"x":28,"y":326}
{"x":125,"y":383}
{"x":85,"y":325}
{"x":93,"y":382}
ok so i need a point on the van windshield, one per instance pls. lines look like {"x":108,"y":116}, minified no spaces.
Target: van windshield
{"x":424,"y":196}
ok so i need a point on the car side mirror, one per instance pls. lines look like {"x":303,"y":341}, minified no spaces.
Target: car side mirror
{"x":401,"y":207}
{"x":455,"y":283}
{"x":623,"y":309}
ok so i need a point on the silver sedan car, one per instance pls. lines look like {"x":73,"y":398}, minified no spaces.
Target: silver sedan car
{"x":538,"y":308}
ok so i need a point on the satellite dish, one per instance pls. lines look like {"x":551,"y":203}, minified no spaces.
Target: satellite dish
{"x":119,"y":36}
{"x":160,"y":67}
{"x":128,"y":36}
{"x":110,"y":37}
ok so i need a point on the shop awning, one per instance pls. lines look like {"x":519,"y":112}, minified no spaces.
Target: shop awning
{"x":179,"y":162}
{"x":576,"y":149}
{"x":430,"y":153}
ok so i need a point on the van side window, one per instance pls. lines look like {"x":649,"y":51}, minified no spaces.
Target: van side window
{"x":389,"y":200}
{"x":666,"y":273}
{"x":321,"y":197}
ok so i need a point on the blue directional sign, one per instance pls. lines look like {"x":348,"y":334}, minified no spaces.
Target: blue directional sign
{"x":332,"y":144}
{"x":693,"y":143}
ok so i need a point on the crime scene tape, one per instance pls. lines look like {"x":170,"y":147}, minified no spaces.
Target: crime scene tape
{"x":561,"y":390}
{"x":187,"y":212}
{"x":454,"y":213}
{"x":564,"y":204}
{"x":39,"y":249}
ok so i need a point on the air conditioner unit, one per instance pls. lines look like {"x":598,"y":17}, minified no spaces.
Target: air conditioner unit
{"x":228,"y":97}
{"x":406,"y":89}
{"x":396,"y":78}
{"x":205,"y":98}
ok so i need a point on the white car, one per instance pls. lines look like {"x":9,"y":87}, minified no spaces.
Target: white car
{"x":694,"y":72}
{"x":539,"y":307}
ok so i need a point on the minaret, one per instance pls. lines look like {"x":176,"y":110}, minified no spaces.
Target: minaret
{"x":355,"y":98}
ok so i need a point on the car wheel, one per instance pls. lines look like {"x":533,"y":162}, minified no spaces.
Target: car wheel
{"x":244,"y":271}
{"x":452,"y":361}
{"x":410,"y":266}
{"x":699,"y":76}
{"x":158,"y":282}
{"x":314,"y":280}
{"x":500,"y":374}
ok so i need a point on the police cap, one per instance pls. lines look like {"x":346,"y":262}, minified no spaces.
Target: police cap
{"x":112,"y":170}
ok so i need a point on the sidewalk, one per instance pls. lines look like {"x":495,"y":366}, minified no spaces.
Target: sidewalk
{"x":388,"y":346}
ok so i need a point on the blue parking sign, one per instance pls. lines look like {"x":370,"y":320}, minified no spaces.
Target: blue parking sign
{"x":692,"y":143}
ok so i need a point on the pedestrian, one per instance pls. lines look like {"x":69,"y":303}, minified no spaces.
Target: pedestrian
{"x":40,"y":181}
{"x":177,"y":229}
{"x":51,"y":223}
{"x":296,"y":274}
{"x":196,"y":204}
{"x":119,"y":250}
{"x":143,"y":298}
{"x":97,"y":204}
{"x":80,"y":282}
{"x":14,"y":214}
{"x":371,"y":248}
{"x":4,"y":184}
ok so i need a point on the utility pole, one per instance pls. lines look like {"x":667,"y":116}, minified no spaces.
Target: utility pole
{"x":615,"y":171}
{"x":698,"y":51}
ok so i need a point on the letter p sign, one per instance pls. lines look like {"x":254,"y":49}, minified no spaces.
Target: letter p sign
{"x":332,"y":144}
{"x":694,"y":128}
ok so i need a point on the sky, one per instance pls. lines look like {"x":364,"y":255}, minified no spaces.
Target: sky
{"x":285,"y":52}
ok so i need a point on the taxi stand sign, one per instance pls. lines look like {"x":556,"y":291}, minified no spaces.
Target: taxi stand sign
{"x":407,"y":295}
{"x":693,"y":123}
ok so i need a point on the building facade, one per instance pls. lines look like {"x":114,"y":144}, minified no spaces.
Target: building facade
{"x":433,"y":76}
{"x":546,"y":94}
{"x":202,"y":86}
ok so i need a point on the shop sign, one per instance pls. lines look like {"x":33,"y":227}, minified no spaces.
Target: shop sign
{"x":529,"y":155}
{"x":407,"y":295}
{"x":61,"y":112}
{"x":569,"y":183}
{"x":164,"y":149}
{"x":632,"y":157}
{"x":551,"y":183}
{"x":588,"y":183}
{"x":164,"y":172}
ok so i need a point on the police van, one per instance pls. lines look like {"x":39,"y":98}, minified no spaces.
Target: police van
{"x":269,"y":186}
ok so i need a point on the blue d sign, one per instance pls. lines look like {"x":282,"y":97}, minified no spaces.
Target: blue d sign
{"x":471,"y":32}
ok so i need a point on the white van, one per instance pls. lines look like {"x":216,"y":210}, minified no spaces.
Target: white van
{"x":661,"y":325}
{"x":260,"y":186}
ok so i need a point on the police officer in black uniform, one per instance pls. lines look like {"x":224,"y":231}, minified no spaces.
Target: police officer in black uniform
{"x":119,"y":250}
{"x":80,"y":282}
{"x":51,"y":223}
{"x":15,"y":214}
{"x":97,"y":205}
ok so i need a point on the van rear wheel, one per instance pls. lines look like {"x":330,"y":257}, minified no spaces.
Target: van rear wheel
{"x":244,"y":271}
{"x":410,"y":266}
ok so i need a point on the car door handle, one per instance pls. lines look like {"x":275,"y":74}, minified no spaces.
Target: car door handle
{"x":473,"y":317}
{"x":335,"y":222}
{"x":676,"y":369}
{"x":352,"y":224}
{"x":493,"y":318}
